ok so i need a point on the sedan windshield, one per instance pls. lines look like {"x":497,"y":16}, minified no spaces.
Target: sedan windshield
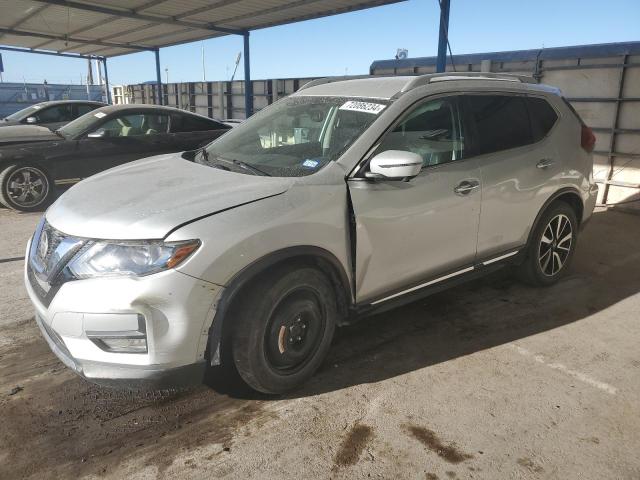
{"x":295,"y":137}
{"x":25,"y":112}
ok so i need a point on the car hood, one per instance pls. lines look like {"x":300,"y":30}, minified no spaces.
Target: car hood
{"x":5,"y":122}
{"x":149,"y":198}
{"x":26,"y":133}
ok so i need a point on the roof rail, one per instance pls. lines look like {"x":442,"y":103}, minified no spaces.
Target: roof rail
{"x":321,"y":81}
{"x":428,"y":78}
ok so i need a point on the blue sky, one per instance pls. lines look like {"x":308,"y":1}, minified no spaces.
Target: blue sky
{"x":349,"y":43}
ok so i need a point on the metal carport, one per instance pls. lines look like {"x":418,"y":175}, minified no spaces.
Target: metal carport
{"x":109,"y":28}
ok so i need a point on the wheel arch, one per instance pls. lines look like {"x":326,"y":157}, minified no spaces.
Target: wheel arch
{"x":568,"y":195}
{"x":306,"y":255}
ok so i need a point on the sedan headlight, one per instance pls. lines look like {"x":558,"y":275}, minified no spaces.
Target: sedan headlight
{"x":105,"y":258}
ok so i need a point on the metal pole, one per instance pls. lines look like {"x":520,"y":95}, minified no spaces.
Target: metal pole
{"x":106,"y":80}
{"x":441,"y":64}
{"x":204,"y":77}
{"x":248,"y":87}
{"x":158,"y":76}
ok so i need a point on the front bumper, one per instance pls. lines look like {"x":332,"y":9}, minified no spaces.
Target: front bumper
{"x":123,"y":375}
{"x":177,"y":311}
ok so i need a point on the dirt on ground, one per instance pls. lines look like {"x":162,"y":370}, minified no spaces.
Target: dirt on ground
{"x":489,"y":380}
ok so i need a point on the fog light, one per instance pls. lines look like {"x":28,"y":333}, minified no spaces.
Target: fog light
{"x":130,"y":341}
{"x":123,"y":345}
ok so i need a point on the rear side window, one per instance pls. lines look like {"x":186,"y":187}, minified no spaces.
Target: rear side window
{"x":543,"y":117}
{"x":85,"y":108}
{"x":501,"y":122}
{"x":190,"y":123}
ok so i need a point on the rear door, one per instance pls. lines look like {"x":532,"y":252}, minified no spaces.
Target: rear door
{"x":517,"y":165}
{"x":412,"y":233}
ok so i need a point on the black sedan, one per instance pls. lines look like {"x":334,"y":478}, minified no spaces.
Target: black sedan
{"x":33,"y":159}
{"x":52,"y":115}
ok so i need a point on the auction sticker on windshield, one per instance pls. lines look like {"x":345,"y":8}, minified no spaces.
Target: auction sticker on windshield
{"x":365,"y":107}
{"x":100,"y":114}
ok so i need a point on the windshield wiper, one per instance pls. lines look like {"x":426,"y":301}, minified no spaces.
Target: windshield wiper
{"x":248,"y":166}
{"x":244,"y":165}
{"x":60,"y":134}
{"x":204,"y":155}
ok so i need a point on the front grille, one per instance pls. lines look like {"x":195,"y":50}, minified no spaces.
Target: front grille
{"x":49,"y":254}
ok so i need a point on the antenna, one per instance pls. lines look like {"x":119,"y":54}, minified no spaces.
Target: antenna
{"x":236,"y":67}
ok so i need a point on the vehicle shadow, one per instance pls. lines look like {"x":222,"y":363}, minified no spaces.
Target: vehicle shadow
{"x":479,"y":315}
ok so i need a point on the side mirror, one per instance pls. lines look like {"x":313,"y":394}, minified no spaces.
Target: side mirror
{"x":31,"y":120}
{"x":100,"y":133}
{"x":395,"y":165}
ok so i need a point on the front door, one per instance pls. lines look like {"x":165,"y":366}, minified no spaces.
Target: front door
{"x":411,"y":233}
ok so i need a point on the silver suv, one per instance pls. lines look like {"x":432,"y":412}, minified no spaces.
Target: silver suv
{"x":343,"y":199}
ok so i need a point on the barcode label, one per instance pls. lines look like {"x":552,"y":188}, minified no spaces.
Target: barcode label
{"x":365,"y":107}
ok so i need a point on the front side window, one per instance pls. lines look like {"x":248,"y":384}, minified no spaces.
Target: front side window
{"x":433,"y":130}
{"x":295,"y":137}
{"x":135,"y":125}
{"x":501,"y":122}
{"x":59,"y":113}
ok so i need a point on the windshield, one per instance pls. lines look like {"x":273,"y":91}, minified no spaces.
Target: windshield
{"x":81,"y":124}
{"x":25,"y":112}
{"x":295,"y":137}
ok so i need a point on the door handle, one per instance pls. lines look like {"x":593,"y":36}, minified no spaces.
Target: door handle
{"x":545,"y":162}
{"x":466,"y":187}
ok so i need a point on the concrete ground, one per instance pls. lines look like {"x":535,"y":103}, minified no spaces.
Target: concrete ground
{"x":490,"y":380}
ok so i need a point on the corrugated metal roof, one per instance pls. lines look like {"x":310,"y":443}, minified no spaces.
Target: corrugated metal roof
{"x":116,"y":27}
{"x":599,"y":50}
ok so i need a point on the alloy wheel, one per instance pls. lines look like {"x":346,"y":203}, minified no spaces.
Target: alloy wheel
{"x":555,"y":245}
{"x":27,"y":187}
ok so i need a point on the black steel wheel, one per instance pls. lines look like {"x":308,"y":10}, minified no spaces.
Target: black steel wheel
{"x":283,"y":328}
{"x":25,"y":188}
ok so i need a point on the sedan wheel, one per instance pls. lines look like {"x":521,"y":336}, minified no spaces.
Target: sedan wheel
{"x":24,"y":188}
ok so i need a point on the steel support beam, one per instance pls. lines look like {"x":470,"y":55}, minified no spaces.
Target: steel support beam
{"x":64,"y":38}
{"x":158,"y":78}
{"x":614,"y":126}
{"x":139,"y":16}
{"x":68,"y":55}
{"x":106,"y":80}
{"x":441,"y":63}
{"x":248,"y":86}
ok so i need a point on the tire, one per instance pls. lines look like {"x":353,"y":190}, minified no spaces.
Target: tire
{"x":283,"y":329}
{"x":549,"y":254}
{"x":25,"y":188}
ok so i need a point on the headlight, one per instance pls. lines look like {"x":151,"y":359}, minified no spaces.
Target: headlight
{"x":106,"y":258}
